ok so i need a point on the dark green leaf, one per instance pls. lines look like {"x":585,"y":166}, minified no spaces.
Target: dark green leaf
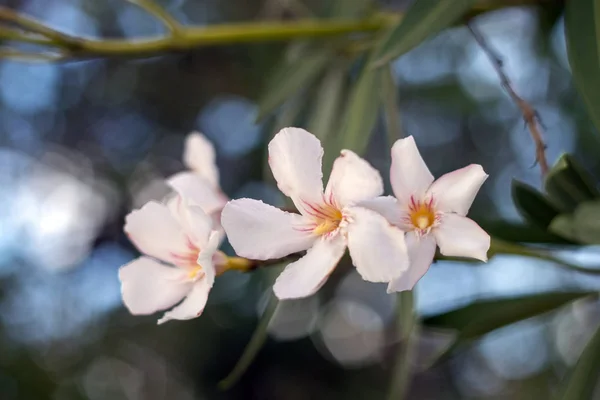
{"x":350,"y":8}
{"x":254,"y":345}
{"x":566,"y":187}
{"x":519,"y":232}
{"x":482,"y":317}
{"x":389,"y":94}
{"x":533,"y":205}
{"x":564,"y":226}
{"x":360,"y":116}
{"x":422,"y":20}
{"x":291,"y":77}
{"x":584,"y":378}
{"x":328,"y":102}
{"x":582,"y":27}
{"x":587,"y":222}
{"x":581,"y":177}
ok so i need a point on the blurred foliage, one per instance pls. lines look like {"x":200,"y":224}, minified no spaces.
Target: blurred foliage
{"x":85,"y":141}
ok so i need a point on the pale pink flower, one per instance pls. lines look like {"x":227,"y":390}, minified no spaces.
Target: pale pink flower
{"x":180,"y":261}
{"x":327,"y":222}
{"x":200,"y":184}
{"x":431,"y":213}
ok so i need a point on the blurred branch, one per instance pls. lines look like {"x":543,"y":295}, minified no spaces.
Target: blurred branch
{"x":55,"y":38}
{"x":502,"y":247}
{"x":530,"y":115}
{"x":406,"y":327}
{"x":161,"y":14}
{"x":189,"y":37}
{"x":17,"y":55}
{"x":254,"y":345}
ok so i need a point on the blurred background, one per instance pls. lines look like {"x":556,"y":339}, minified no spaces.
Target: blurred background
{"x":84,"y":142}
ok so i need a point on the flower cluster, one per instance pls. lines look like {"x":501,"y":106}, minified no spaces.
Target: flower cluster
{"x":390,"y":239}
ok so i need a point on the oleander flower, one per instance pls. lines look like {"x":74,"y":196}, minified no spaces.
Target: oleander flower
{"x":431,"y":213}
{"x":180,"y":260}
{"x":200,"y":184}
{"x":328,"y":221}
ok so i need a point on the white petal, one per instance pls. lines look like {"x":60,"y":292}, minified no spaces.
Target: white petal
{"x":259,"y":231}
{"x":205,"y":257}
{"x":148,"y":286}
{"x":378,"y":249}
{"x":156,"y":232}
{"x":197,"y":225}
{"x":409,"y":174}
{"x":192,"y":306}
{"x":461,"y":237}
{"x":421,"y":251}
{"x":352,"y":180}
{"x":389,"y":208}
{"x":456,"y":190}
{"x":295,"y":157}
{"x":304,"y":277}
{"x":198,"y":191}
{"x":199,"y":156}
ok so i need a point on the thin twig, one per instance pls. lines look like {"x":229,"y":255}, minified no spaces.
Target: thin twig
{"x":7,"y":33}
{"x":407,"y":328}
{"x":55,"y":37}
{"x":174,"y":27}
{"x":17,"y":55}
{"x":191,"y":37}
{"x":530,"y":116}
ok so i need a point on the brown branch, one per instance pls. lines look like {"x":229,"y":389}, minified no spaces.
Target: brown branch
{"x":530,"y":115}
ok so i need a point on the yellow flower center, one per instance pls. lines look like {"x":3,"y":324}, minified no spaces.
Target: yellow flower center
{"x":422,"y":214}
{"x":195,"y":272}
{"x":328,"y":219}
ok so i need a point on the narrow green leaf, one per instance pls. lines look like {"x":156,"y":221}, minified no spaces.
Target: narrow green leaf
{"x":360,"y":116}
{"x":482,"y":317}
{"x":391,"y":107}
{"x":584,"y":378}
{"x":350,"y":8}
{"x":422,"y":20}
{"x":566,"y":187}
{"x":564,"y":226}
{"x":582,"y":28}
{"x":533,"y":205}
{"x":581,"y":177}
{"x":328,"y":102}
{"x":586,"y":223}
{"x":254,"y":345}
{"x":291,"y":77}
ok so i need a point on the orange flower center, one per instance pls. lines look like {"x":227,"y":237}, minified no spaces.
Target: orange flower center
{"x":195,"y":272}
{"x":328,"y":220}
{"x":422,"y":214}
{"x":327,"y":217}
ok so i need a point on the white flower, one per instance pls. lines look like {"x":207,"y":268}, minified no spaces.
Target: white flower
{"x":182,"y":237}
{"x":431,"y":212}
{"x":327,"y":222}
{"x":200,"y":185}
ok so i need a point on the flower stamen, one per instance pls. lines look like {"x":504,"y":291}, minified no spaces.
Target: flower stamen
{"x":422,"y":215}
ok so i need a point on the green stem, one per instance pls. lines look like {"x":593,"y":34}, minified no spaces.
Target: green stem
{"x":193,"y":37}
{"x":254,"y":345}
{"x":55,"y":38}
{"x":406,"y":327}
{"x":501,"y":247}
{"x":161,"y":14}
{"x":391,"y":105}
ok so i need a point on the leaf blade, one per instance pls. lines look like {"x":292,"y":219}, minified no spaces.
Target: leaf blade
{"x":533,"y":205}
{"x":291,"y":77}
{"x":477,"y":319}
{"x":422,"y":20}
{"x":584,"y":376}
{"x":582,"y":30}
